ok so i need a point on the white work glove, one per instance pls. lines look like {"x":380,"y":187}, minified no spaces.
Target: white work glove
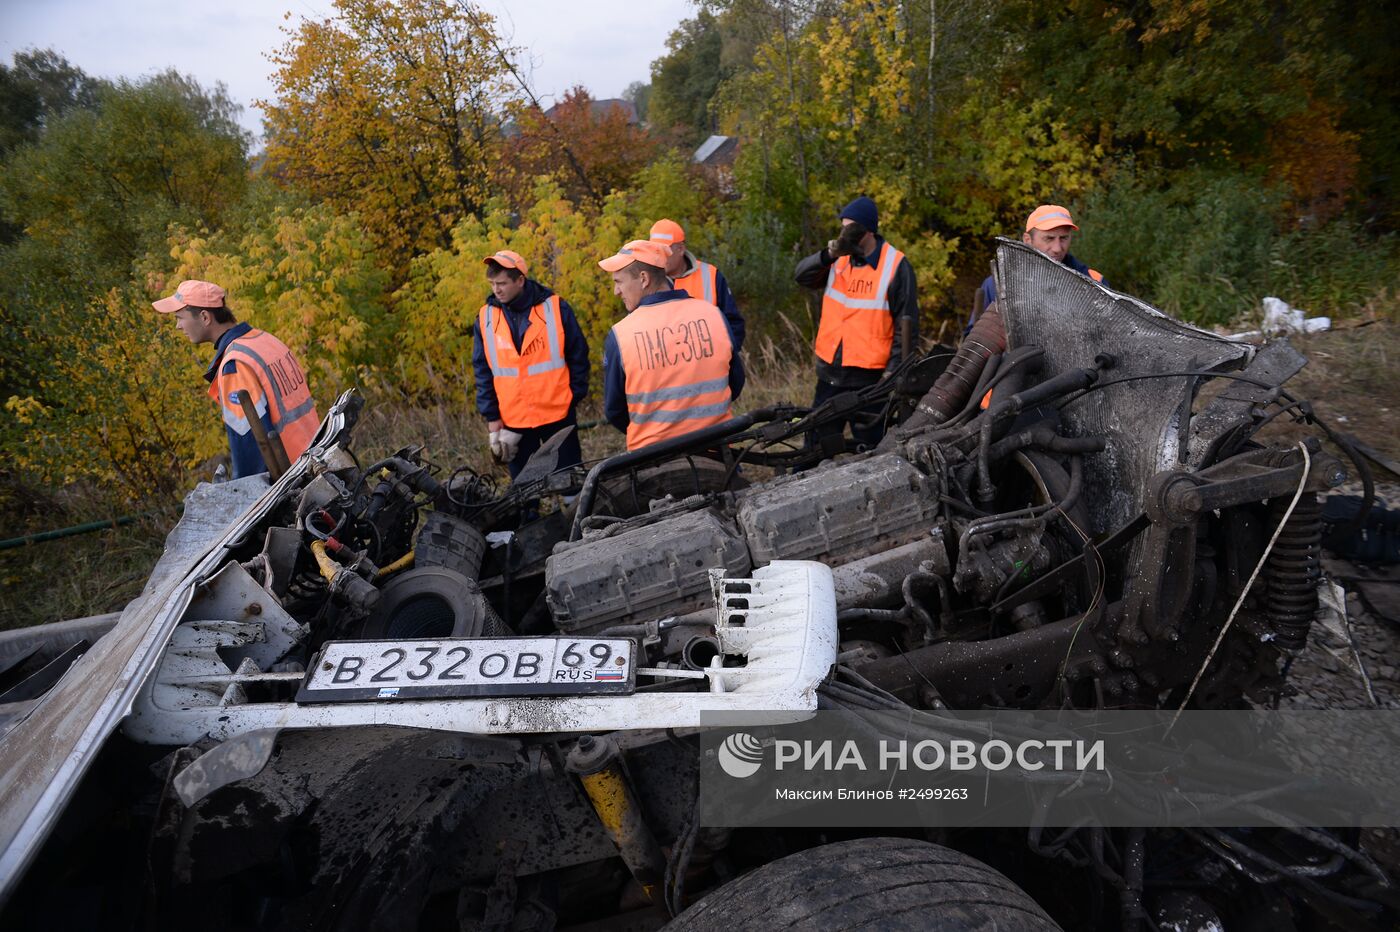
{"x":504,"y":444}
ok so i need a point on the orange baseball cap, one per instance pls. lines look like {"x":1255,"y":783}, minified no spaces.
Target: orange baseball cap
{"x":508,"y":259}
{"x":1048,"y":217}
{"x":639,"y":250}
{"x":191,"y":294}
{"x":667,"y":231}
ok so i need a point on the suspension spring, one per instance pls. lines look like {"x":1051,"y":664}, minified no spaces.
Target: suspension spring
{"x":1293,"y":570}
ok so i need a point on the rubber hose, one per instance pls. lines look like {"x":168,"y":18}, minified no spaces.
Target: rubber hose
{"x":954,"y":387}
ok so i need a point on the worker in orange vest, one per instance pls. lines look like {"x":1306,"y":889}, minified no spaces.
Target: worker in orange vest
{"x":1049,"y":230}
{"x":698,"y":279}
{"x":669,"y":366}
{"x":869,"y":294}
{"x":531,"y":364}
{"x":251,"y":361}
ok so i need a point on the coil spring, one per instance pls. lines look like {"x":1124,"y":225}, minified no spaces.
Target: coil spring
{"x":306,"y":585}
{"x":1293,"y":569}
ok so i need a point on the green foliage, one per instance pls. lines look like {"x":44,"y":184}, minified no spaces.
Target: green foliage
{"x":108,"y":180}
{"x":1208,"y":247}
{"x":684,"y":80}
{"x":830,"y":107}
{"x":1197,"y":250}
{"x":37,"y":88}
{"x":93,"y":389}
{"x":1339,"y":269}
{"x":1181,"y":78}
{"x":1008,"y":156}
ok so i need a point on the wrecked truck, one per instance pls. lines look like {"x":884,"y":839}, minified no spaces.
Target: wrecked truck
{"x":390,"y":694}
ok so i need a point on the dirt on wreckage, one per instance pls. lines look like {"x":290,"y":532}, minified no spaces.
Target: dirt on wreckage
{"x":216,"y":759}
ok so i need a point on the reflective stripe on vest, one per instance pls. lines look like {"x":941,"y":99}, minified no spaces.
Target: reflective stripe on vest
{"x":543,"y":395}
{"x":292,"y":409}
{"x":700,"y":283}
{"x":856,"y":311}
{"x":675,"y":362}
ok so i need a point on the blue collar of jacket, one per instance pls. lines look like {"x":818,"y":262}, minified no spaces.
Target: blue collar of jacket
{"x":872,"y":260}
{"x":660,"y":297}
{"x":533,"y":293}
{"x":1075,"y":264}
{"x":229,"y":335}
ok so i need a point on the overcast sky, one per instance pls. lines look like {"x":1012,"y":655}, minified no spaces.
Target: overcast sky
{"x":603,"y":44}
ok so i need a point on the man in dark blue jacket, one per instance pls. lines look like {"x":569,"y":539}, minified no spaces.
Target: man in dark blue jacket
{"x":531,"y":363}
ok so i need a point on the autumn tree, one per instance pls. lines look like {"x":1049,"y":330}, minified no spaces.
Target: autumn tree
{"x":390,"y":109}
{"x":305,"y":273}
{"x":562,"y":241}
{"x":591,"y":146}
{"x":828,"y":109}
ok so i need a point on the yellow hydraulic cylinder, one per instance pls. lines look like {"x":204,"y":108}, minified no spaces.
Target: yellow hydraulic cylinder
{"x":598,"y":764}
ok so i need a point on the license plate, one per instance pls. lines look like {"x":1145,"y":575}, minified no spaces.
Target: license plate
{"x":356,"y":671}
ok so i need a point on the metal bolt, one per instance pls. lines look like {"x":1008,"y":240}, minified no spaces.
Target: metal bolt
{"x":254,"y":609}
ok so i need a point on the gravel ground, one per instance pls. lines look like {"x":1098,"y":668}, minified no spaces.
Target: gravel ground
{"x":1325,"y":674}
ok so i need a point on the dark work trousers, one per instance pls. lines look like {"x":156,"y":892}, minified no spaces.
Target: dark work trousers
{"x":532,"y":438}
{"x":867,"y":435}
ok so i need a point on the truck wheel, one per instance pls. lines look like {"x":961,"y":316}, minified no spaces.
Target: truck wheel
{"x":869,"y":883}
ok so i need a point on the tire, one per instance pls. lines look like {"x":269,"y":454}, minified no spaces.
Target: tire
{"x":869,"y":883}
{"x":451,"y":543}
{"x":431,"y":602}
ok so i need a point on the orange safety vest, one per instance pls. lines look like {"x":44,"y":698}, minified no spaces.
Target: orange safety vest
{"x":856,"y":311}
{"x":700,"y":283}
{"x":675,"y":362}
{"x":267,"y":369}
{"x":541,"y":394}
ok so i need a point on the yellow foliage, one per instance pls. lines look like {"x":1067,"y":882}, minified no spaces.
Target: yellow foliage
{"x":128,"y":408}
{"x":25,"y":410}
{"x":866,"y":74}
{"x":308,"y":277}
{"x":1013,"y":157}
